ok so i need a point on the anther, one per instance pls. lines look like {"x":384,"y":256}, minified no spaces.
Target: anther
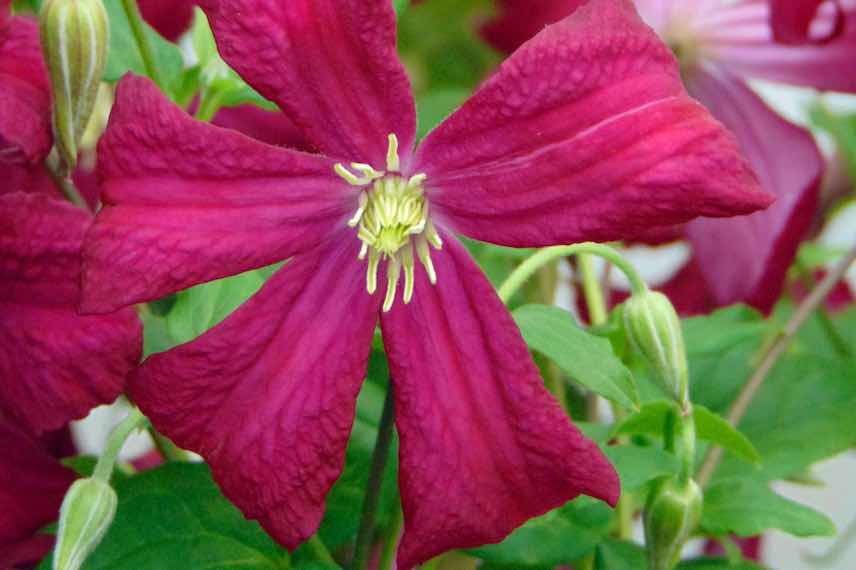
{"x":392,"y":162}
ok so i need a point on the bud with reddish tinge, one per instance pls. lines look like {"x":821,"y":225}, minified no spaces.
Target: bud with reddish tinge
{"x":87,"y":512}
{"x":672,"y":513}
{"x":75,"y":37}
{"x":654,"y":329}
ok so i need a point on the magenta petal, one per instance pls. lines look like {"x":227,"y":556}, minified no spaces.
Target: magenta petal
{"x":186,"y":202}
{"x":484,"y":446}
{"x":25,"y":112}
{"x":739,"y":37}
{"x":271,"y":127}
{"x":32,"y":485}
{"x":585,"y":133}
{"x":267,"y":397}
{"x":331,"y":65}
{"x":171,"y":18}
{"x":56,"y":365}
{"x":746,"y":259}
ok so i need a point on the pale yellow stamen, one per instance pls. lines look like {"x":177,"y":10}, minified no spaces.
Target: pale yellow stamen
{"x":392,"y":217}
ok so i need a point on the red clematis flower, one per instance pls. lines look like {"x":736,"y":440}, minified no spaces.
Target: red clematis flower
{"x":32,"y":485}
{"x":792,"y":20}
{"x":584,"y":133}
{"x":55,"y":365}
{"x":720,"y":45}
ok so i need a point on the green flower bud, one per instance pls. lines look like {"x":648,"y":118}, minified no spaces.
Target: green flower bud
{"x":87,"y":512}
{"x":654,"y":329}
{"x":75,"y":37}
{"x":671,"y":515}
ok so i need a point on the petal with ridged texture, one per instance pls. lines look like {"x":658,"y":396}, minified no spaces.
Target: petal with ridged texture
{"x":267,"y":397}
{"x":739,"y":36}
{"x":55,"y":365}
{"x":32,"y":485}
{"x":186,"y":202}
{"x":331,"y":65}
{"x":484,"y":446}
{"x":746,"y":259}
{"x":585,"y":133}
{"x":25,"y":111}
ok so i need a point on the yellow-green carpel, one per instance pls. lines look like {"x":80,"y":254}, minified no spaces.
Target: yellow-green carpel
{"x":392,"y":219}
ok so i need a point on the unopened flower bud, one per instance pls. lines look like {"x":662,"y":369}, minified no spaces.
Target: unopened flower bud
{"x":654,"y":329}
{"x":75,"y":37}
{"x":87,"y":512}
{"x":672,"y":513}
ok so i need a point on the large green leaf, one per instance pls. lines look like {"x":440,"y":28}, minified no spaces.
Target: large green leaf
{"x":559,"y":537}
{"x":198,"y":309}
{"x":125,"y":55}
{"x":175,"y":518}
{"x":746,"y":506}
{"x":588,"y":359}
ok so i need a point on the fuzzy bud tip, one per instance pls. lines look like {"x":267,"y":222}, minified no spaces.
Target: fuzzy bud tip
{"x":87,"y":512}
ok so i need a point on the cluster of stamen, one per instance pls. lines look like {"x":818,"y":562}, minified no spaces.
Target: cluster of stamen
{"x":392,"y":220}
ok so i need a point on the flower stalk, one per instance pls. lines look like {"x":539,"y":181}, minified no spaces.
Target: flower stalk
{"x":89,"y":505}
{"x":544,"y":256}
{"x":138,"y":30}
{"x":374,"y":483}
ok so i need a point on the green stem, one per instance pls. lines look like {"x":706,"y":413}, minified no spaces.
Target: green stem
{"x":320,"y":551}
{"x":138,"y":30}
{"x":165,"y":446}
{"x":209,"y":104}
{"x":65,"y":184}
{"x":390,"y":545}
{"x":586,"y":563}
{"x":526,"y":269}
{"x":593,"y":292}
{"x":104,"y":467}
{"x":373,"y":485}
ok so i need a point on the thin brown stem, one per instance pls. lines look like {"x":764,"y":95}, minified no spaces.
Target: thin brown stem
{"x":772,"y":355}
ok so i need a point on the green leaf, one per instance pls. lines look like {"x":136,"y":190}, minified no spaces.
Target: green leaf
{"x":175,"y":518}
{"x":714,"y":428}
{"x":651,"y":419}
{"x":620,"y":555}
{"x":746,"y":506}
{"x":198,"y":309}
{"x":559,"y":537}
{"x":125,"y":55}
{"x":637,"y":466}
{"x":843,"y":130}
{"x":802,"y":414}
{"x":586,"y":358}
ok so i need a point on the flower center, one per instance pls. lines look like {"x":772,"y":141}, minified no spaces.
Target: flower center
{"x":392,"y":220}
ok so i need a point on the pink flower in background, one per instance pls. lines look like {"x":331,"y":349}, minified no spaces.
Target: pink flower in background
{"x":720,"y":46}
{"x":584,"y":133}
{"x":55,"y":365}
{"x":792,"y":20}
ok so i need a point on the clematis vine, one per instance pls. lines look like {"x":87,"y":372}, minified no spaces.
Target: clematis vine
{"x":585,"y":133}
{"x":721,"y":45}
